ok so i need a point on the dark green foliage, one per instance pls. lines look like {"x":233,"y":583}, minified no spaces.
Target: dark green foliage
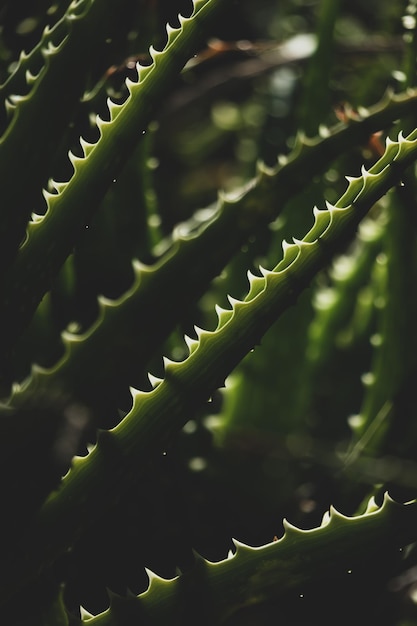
{"x":147,"y":195}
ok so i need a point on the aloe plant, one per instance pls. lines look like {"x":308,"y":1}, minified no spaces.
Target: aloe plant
{"x":179,"y":381}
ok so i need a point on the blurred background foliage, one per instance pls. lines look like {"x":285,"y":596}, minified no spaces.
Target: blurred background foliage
{"x":272,"y":444}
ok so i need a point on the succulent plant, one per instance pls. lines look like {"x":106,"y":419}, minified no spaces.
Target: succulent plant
{"x":173,"y":376}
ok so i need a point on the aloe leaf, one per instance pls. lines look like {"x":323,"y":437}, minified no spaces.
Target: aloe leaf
{"x":234,"y":221}
{"x":96,"y":481}
{"x":252,"y":576}
{"x":50,"y":238}
{"x":42,"y":108}
{"x":31,"y":62}
{"x":335,"y":304}
{"x":340,"y":331}
{"x":397,"y":338}
{"x":316,"y":100}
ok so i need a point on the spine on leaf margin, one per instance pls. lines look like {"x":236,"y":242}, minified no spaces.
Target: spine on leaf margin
{"x":50,"y":238}
{"x":50,"y":87}
{"x":95,"y":481}
{"x":29,"y":64}
{"x":252,"y":576}
{"x":374,"y":426}
{"x":260,"y":202}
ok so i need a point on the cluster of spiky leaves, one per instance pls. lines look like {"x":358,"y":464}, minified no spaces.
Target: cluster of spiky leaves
{"x":71,"y":406}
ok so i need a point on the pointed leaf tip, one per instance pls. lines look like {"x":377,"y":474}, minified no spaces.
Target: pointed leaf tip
{"x":85,"y":615}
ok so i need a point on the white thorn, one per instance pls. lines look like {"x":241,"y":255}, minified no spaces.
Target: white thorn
{"x":286,"y":245}
{"x":326,"y":518}
{"x":330,"y":207}
{"x":233,"y":301}
{"x":86,"y":145}
{"x":351,"y":179}
{"x":154,"y":53}
{"x":190,"y":342}
{"x":152,"y":576}
{"x":131,"y":83}
{"x":154,"y":380}
{"x":240,"y":544}
{"x":105,"y":302}
{"x":198,"y":331}
{"x":264,"y":271}
{"x":74,"y":158}
{"x":372,"y":506}
{"x":220,"y":310}
{"x":288,"y":526}
{"x":85,"y":614}
{"x":134,"y":392}
{"x":47,"y":195}
{"x":170,"y":29}
{"x":182,"y":20}
{"x":168,"y":362}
